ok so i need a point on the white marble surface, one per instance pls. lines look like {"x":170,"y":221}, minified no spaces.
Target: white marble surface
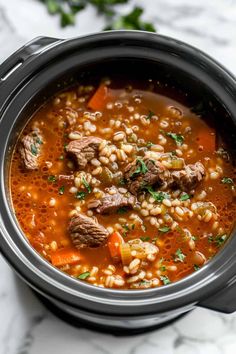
{"x":26,"y":327}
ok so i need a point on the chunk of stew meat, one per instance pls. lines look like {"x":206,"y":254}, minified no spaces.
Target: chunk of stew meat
{"x":150,"y":172}
{"x":30,"y":149}
{"x":110,"y":203}
{"x":145,"y":172}
{"x":83,"y":150}
{"x":85,"y":232}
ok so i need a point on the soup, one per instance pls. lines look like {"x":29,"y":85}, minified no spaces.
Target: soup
{"x":121,"y":186}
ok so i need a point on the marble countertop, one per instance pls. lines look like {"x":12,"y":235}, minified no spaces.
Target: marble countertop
{"x":26,"y":327}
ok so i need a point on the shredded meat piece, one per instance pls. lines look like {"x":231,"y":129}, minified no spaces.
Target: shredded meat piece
{"x":136,"y":181}
{"x":83,"y":150}
{"x":189,"y":177}
{"x":85,"y":232}
{"x":110,"y":203}
{"x":156,"y":174}
{"x":30,"y":149}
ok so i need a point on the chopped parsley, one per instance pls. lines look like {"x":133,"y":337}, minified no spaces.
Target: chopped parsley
{"x":227,"y":180}
{"x":163,"y":268}
{"x":52,"y":178}
{"x":165,"y":279}
{"x":34,"y":150}
{"x":61,"y":190}
{"x":179,"y":139}
{"x":122,"y":210}
{"x":150,"y":115}
{"x":84,"y":275}
{"x":184,"y":197}
{"x":149,"y":144}
{"x":220,"y":240}
{"x":164,"y":229}
{"x":141,"y":167}
{"x":158,"y":196}
{"x":179,"y":256}
{"x":144,"y":238}
{"x":196,"y":267}
{"x":39,"y":141}
{"x":87,"y":186}
{"x":80,"y":195}
{"x":122,"y":182}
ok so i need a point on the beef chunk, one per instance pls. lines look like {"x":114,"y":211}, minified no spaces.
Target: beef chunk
{"x":110,"y":203}
{"x":145,"y":172}
{"x":83,"y":150}
{"x":188,"y":178}
{"x":86,"y":233}
{"x":30,"y":147}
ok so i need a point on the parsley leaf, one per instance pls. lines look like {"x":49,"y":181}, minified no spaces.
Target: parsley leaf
{"x":179,"y":139}
{"x":196,"y":267}
{"x":61,"y":190}
{"x":34,"y":150}
{"x":80,"y":195}
{"x":141,"y":167}
{"x":164,"y":229}
{"x":220,"y":239}
{"x":52,"y":178}
{"x":227,"y":180}
{"x":179,"y":256}
{"x":184,"y":197}
{"x":158,"y":196}
{"x":149,"y":144}
{"x":165,"y":279}
{"x":122,"y":210}
{"x":87,"y":186}
{"x":150,"y":115}
{"x":131,"y":21}
{"x":144,"y":238}
{"x":84,"y":275}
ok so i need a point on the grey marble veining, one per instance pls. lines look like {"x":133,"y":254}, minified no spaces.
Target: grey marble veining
{"x":26,"y":327}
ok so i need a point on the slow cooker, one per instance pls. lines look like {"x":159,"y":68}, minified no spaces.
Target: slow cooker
{"x":46,"y":65}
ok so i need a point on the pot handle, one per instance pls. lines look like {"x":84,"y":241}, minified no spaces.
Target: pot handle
{"x":223,"y":301}
{"x":10,"y":65}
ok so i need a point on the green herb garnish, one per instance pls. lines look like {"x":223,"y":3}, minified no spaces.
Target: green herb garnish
{"x":179,"y":139}
{"x":158,"y":196}
{"x":164,"y":229}
{"x":34,"y":150}
{"x":196,"y":267}
{"x":220,"y":240}
{"x":165,"y":279}
{"x":67,"y":10}
{"x":184,"y":197}
{"x":122,"y":210}
{"x":84,"y":275}
{"x":179,"y":256}
{"x":227,"y":180}
{"x":87,"y":186}
{"x":61,"y":190}
{"x":150,"y":115}
{"x":131,"y":21}
{"x":163,"y":268}
{"x":149,"y":144}
{"x":52,"y":178}
{"x":141,"y":167}
{"x":144,"y":238}
{"x":39,"y":141}
{"x":80,"y":195}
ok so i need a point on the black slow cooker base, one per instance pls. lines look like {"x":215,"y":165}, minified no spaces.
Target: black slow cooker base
{"x":80,"y":323}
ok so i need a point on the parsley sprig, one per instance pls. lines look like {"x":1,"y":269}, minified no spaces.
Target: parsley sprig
{"x":68,"y":9}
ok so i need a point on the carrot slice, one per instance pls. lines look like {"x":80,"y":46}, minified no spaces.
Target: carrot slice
{"x":97,"y":102}
{"x":207,"y":139}
{"x":114,"y":243}
{"x":65,"y":256}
